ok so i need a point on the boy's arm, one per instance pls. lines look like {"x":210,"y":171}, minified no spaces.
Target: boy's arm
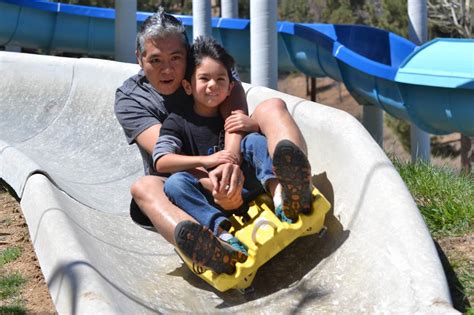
{"x":168,"y":154}
{"x":173,"y":162}
{"x":234,"y":102}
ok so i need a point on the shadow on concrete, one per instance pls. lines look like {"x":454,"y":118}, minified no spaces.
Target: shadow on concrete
{"x":457,"y":290}
{"x":68,"y":275}
{"x":290,"y":266}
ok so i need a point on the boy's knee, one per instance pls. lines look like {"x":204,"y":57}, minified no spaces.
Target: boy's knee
{"x":255,"y":139}
{"x":177,"y":182}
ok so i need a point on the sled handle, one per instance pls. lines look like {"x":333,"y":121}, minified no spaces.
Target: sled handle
{"x":258,"y":224}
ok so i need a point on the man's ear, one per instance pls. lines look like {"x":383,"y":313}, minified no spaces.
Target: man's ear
{"x":187,"y":87}
{"x":139,"y":58}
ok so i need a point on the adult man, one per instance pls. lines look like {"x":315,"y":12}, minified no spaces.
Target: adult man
{"x":144,"y":101}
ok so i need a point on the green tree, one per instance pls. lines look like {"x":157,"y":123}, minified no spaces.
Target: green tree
{"x":393,"y":16}
{"x":343,"y":12}
{"x":295,"y":10}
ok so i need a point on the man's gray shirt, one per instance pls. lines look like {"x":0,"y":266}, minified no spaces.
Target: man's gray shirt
{"x":138,"y":106}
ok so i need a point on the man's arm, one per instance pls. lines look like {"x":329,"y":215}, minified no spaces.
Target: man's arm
{"x":148,"y":138}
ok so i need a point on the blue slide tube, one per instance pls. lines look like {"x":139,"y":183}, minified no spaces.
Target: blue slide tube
{"x":431,"y":85}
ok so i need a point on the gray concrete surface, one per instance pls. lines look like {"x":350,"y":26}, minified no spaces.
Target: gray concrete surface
{"x":64,"y":154}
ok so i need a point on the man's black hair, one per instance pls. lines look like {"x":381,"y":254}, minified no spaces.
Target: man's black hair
{"x":160,"y":25}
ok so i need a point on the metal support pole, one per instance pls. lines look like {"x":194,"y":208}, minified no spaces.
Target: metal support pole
{"x":125,"y":30}
{"x":418,"y":33}
{"x":467,"y":153}
{"x":373,"y":121}
{"x":230,"y":9}
{"x":263,"y":43}
{"x":313,"y":89}
{"x":202,"y":18}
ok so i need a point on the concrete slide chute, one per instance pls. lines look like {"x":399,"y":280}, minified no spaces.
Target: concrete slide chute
{"x":72,"y":168}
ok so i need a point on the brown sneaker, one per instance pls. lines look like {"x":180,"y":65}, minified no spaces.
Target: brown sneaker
{"x":206,"y":250}
{"x":291,"y":166}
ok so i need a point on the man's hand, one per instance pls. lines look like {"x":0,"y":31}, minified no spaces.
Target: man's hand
{"x":239,"y":122}
{"x":228,"y":181}
{"x":218,"y":158}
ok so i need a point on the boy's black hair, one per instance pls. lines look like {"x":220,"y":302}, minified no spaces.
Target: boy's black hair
{"x":208,"y":47}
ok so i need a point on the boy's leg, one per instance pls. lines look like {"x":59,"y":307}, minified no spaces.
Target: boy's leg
{"x":291,"y":168}
{"x":203,"y":248}
{"x":276,"y":124}
{"x":183,"y":190}
{"x":169,"y":221}
{"x":293,"y":171}
{"x":258,"y":170}
{"x":255,"y":153}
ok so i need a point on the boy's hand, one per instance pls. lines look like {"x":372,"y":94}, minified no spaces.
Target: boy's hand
{"x":227,"y":203}
{"x":239,"y":122}
{"x":228,"y":181}
{"x":218,"y":158}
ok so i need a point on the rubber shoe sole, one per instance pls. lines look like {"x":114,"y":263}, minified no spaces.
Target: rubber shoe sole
{"x":204,"y":249}
{"x":291,"y":167}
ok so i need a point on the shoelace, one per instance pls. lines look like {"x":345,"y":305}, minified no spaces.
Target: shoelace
{"x":236,"y":244}
{"x":281,"y":215}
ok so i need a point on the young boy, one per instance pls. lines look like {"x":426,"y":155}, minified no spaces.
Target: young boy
{"x":194,"y":139}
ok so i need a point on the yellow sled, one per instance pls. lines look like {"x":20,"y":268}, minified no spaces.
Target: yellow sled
{"x":265,"y":236}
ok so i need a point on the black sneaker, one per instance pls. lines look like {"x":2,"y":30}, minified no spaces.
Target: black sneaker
{"x":206,"y":250}
{"x":291,"y":166}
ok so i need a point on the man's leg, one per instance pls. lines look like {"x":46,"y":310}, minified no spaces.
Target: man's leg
{"x":148,"y":193}
{"x":181,"y":229}
{"x":276,"y":124}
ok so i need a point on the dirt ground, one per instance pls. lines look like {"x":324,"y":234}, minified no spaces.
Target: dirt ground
{"x":14,"y":232}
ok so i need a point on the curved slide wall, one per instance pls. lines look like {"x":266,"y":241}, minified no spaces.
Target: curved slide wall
{"x":64,"y":154}
{"x":431,"y":85}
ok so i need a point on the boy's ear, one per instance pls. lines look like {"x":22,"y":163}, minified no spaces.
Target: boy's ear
{"x":231,"y":86}
{"x":187,"y":86}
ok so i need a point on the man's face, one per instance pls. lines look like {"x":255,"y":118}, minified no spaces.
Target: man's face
{"x":164,"y":63}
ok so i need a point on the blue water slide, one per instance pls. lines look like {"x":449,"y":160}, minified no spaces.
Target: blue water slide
{"x":437,"y":85}
{"x":431,"y":85}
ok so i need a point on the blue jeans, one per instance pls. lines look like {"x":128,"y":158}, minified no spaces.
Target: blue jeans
{"x":184,"y":190}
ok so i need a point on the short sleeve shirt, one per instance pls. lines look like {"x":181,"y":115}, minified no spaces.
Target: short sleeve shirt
{"x":138,"y":106}
{"x":190,"y":134}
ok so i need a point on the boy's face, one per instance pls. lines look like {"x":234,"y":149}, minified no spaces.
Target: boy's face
{"x":210,"y":84}
{"x":164,"y":63}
